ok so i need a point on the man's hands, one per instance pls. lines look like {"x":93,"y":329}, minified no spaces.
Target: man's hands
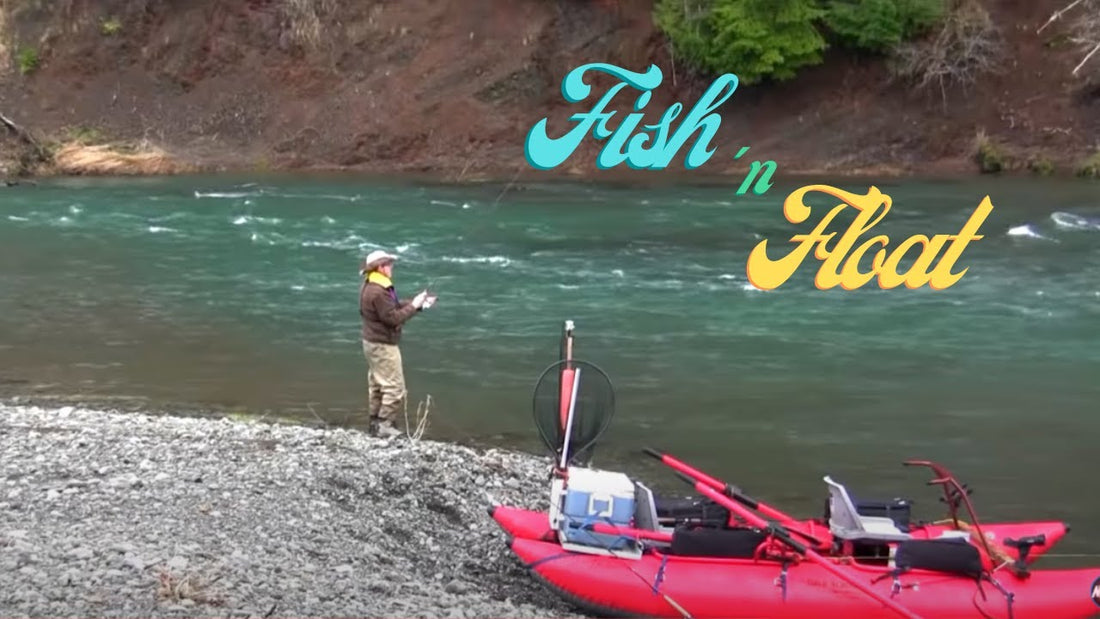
{"x":423,"y":301}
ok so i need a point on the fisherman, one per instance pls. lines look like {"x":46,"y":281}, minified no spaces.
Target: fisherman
{"x":383,"y":315}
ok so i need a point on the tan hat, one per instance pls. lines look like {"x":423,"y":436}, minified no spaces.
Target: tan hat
{"x":375,"y":259}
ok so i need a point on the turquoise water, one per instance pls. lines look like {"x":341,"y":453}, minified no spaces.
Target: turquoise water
{"x":240,"y":294}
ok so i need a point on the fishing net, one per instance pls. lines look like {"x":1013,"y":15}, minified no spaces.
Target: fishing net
{"x":592,"y":410}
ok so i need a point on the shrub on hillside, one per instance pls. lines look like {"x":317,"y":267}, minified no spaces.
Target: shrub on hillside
{"x":28,"y":60}
{"x":1090,"y":167}
{"x":880,"y":25}
{"x":755,"y":39}
{"x":966,"y":45}
{"x":989,"y":155}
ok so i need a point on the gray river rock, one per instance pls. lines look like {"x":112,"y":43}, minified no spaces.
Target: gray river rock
{"x":106,"y":514}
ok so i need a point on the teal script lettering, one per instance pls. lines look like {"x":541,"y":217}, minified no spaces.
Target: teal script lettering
{"x":653,"y":147}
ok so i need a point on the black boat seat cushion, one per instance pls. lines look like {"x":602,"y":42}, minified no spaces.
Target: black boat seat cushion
{"x":710,"y":542}
{"x":954,"y":556}
{"x":698,"y":509}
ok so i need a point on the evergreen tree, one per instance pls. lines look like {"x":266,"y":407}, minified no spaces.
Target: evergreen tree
{"x":754,"y":39}
{"x":880,"y":25}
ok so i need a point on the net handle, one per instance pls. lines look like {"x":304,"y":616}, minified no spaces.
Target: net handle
{"x":567,"y":439}
{"x":568,"y":342}
{"x":566,"y":375}
{"x":553,"y":431}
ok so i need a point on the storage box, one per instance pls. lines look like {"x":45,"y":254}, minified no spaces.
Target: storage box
{"x":897,"y":510}
{"x":592,"y":496}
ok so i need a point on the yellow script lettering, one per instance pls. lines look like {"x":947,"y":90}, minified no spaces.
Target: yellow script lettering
{"x":840,"y":265}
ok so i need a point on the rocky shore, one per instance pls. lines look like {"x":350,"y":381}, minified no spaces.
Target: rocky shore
{"x":109,"y":514}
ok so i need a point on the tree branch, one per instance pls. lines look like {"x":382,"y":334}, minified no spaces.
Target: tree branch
{"x":1058,"y":14}
{"x":25,"y":136}
{"x":1095,"y":49}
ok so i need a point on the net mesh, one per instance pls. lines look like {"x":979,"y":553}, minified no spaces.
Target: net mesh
{"x":592,"y":412}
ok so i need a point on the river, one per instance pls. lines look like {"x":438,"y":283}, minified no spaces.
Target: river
{"x":239,"y":294}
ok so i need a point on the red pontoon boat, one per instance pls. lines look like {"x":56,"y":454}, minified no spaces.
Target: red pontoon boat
{"x":608,"y":545}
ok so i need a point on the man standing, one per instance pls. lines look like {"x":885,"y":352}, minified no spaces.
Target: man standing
{"x":383,"y":315}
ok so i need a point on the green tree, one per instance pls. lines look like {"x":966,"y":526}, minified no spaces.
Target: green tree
{"x":880,"y":25}
{"x":754,"y":39}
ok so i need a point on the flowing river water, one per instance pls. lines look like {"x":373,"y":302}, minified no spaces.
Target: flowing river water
{"x":240,"y":295}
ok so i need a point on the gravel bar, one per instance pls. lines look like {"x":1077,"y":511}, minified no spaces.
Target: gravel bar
{"x":123,"y":514}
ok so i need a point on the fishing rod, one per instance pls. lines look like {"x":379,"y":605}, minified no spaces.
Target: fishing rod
{"x":492,"y":208}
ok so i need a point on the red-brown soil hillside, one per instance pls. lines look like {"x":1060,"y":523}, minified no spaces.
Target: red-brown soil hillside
{"x":450,"y":88}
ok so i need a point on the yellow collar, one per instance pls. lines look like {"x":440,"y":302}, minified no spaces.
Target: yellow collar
{"x":380,"y":279}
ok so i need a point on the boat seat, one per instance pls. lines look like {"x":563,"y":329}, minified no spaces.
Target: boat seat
{"x":845,"y":522}
{"x":645,"y":508}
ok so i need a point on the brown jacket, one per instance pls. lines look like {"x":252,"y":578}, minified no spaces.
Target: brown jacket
{"x":382,"y":313}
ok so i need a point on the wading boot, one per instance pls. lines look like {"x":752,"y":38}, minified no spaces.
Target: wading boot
{"x":386,"y":429}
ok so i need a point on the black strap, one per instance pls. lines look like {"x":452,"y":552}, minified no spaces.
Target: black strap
{"x":539,"y":562}
{"x":894,"y":573}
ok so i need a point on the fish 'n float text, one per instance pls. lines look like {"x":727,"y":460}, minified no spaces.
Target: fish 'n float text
{"x":840,"y":264}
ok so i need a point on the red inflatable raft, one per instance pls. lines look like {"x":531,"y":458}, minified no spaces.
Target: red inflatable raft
{"x":607,"y":546}
{"x":535,"y":525}
{"x":762,"y":563}
{"x":662,"y":585}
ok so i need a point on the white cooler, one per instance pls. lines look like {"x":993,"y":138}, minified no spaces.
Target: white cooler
{"x":591,"y":496}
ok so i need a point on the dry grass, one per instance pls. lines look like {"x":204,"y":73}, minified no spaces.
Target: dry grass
{"x":174,"y":588}
{"x":305,"y":20}
{"x":422,"y":411}
{"x":104,"y":159}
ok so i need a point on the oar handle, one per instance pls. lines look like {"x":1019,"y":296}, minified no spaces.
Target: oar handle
{"x":752,"y":518}
{"x":728,"y":490}
{"x":682,"y":467}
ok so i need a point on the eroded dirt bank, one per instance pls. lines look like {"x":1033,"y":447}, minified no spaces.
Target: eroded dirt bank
{"x":451,"y":88}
